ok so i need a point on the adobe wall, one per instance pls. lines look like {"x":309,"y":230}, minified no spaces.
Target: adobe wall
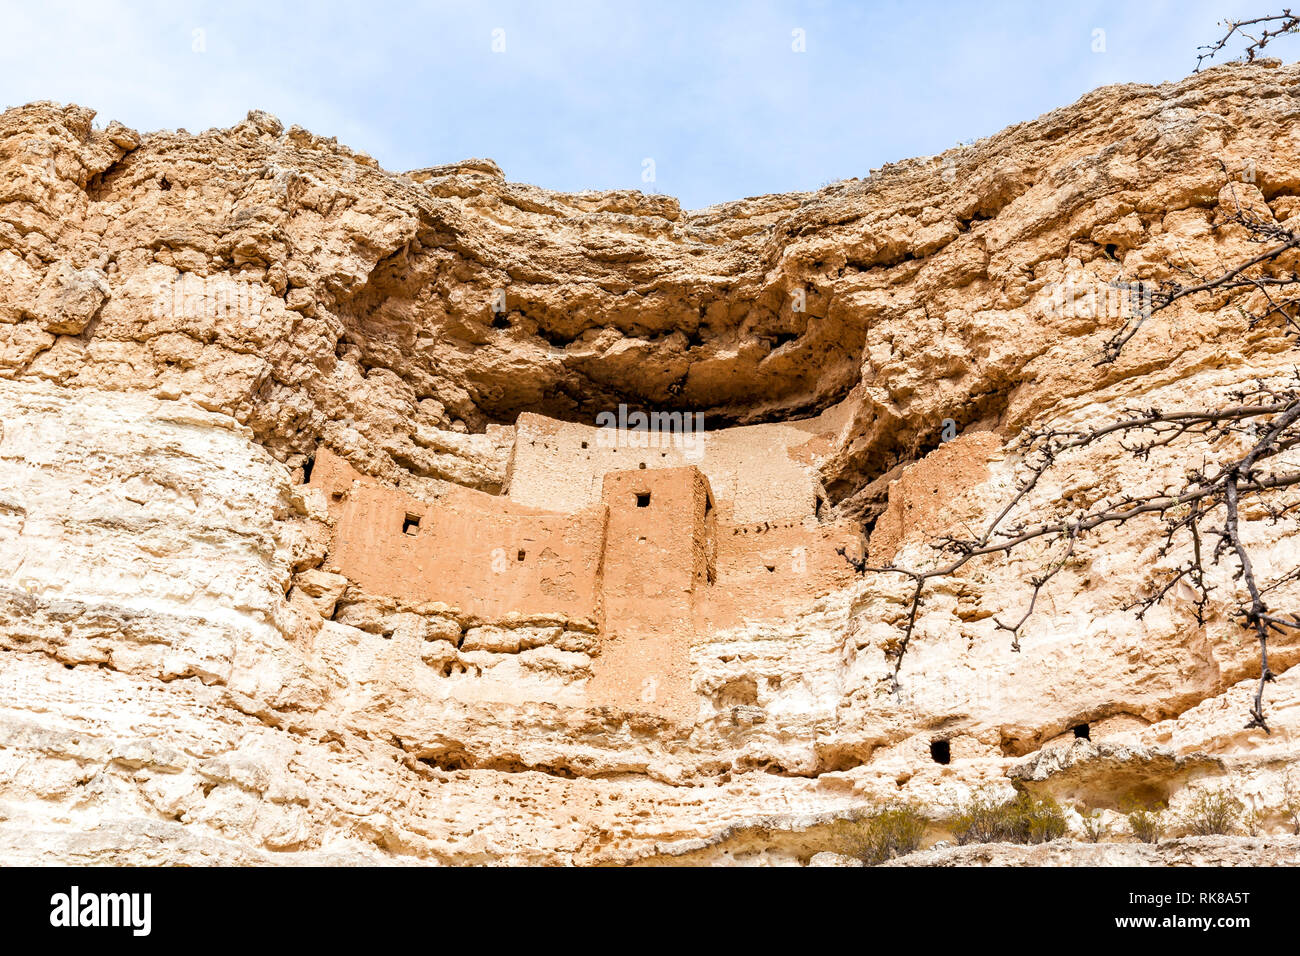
{"x":653,"y":562}
{"x":757,"y":472}
{"x":922,"y":498}
{"x":471,"y":550}
{"x":770,"y":570}
{"x":660,"y":543}
{"x":466,"y":549}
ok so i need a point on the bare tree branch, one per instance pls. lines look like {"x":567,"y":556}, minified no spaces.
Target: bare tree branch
{"x":1286,"y":24}
{"x":1263,"y":417}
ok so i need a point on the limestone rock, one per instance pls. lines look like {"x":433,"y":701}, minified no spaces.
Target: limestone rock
{"x":311,"y":551}
{"x":1188,"y":851}
{"x":69,"y":299}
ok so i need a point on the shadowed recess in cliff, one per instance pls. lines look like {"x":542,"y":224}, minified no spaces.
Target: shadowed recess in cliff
{"x":491,"y":337}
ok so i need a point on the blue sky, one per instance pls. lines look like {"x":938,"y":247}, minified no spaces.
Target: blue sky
{"x":583,"y":93}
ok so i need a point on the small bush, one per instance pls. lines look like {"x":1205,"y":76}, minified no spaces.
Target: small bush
{"x":1146,"y":821}
{"x":1291,"y":803}
{"x":983,"y":819}
{"x":1211,"y":813}
{"x":882,"y":835}
{"x":1038,"y":821}
{"x":1253,"y":822}
{"x":1094,"y":831}
{"x":980,"y":819}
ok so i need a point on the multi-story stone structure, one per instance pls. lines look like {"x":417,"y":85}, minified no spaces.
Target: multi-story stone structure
{"x":624,"y":532}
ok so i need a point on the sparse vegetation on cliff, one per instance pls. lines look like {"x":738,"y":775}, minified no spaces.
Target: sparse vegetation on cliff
{"x":1146,"y":821}
{"x":882,"y":834}
{"x":1211,"y":813}
{"x":1093,"y":828}
{"x":984,"y":818}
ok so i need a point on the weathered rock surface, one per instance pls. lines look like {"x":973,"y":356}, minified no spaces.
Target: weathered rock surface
{"x":185,"y":319}
{"x":1186,"y":851}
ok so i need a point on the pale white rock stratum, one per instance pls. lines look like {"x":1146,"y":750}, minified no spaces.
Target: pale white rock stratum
{"x":163,"y":699}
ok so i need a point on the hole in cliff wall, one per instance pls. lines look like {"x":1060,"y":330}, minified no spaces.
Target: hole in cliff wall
{"x":940,"y":751}
{"x":448,"y":760}
{"x":739,"y":692}
{"x":643,"y":500}
{"x":411,"y":524}
{"x":977,"y":216}
{"x":307,"y":466}
{"x":1083,"y":732}
{"x":522,"y":554}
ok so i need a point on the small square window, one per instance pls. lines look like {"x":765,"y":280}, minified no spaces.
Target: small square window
{"x":411,"y":524}
{"x":643,"y":499}
{"x":522,"y":554}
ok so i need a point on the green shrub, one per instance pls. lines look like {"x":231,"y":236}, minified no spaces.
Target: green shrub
{"x":882,"y":835}
{"x":1211,"y":813}
{"x":1094,"y":831}
{"x":980,"y":819}
{"x":1037,"y":821}
{"x":984,"y":819}
{"x":1253,"y":821}
{"x":1145,"y":821}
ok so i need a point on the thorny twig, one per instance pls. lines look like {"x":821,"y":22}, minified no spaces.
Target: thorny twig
{"x":1289,"y":24}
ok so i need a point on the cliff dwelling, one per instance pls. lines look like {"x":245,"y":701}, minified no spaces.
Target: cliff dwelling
{"x":647,"y":540}
{"x":363,"y":577}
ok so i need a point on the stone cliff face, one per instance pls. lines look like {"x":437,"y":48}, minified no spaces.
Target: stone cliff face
{"x":193,"y":669}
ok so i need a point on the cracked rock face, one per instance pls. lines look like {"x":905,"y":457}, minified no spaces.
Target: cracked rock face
{"x":186,"y":675}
